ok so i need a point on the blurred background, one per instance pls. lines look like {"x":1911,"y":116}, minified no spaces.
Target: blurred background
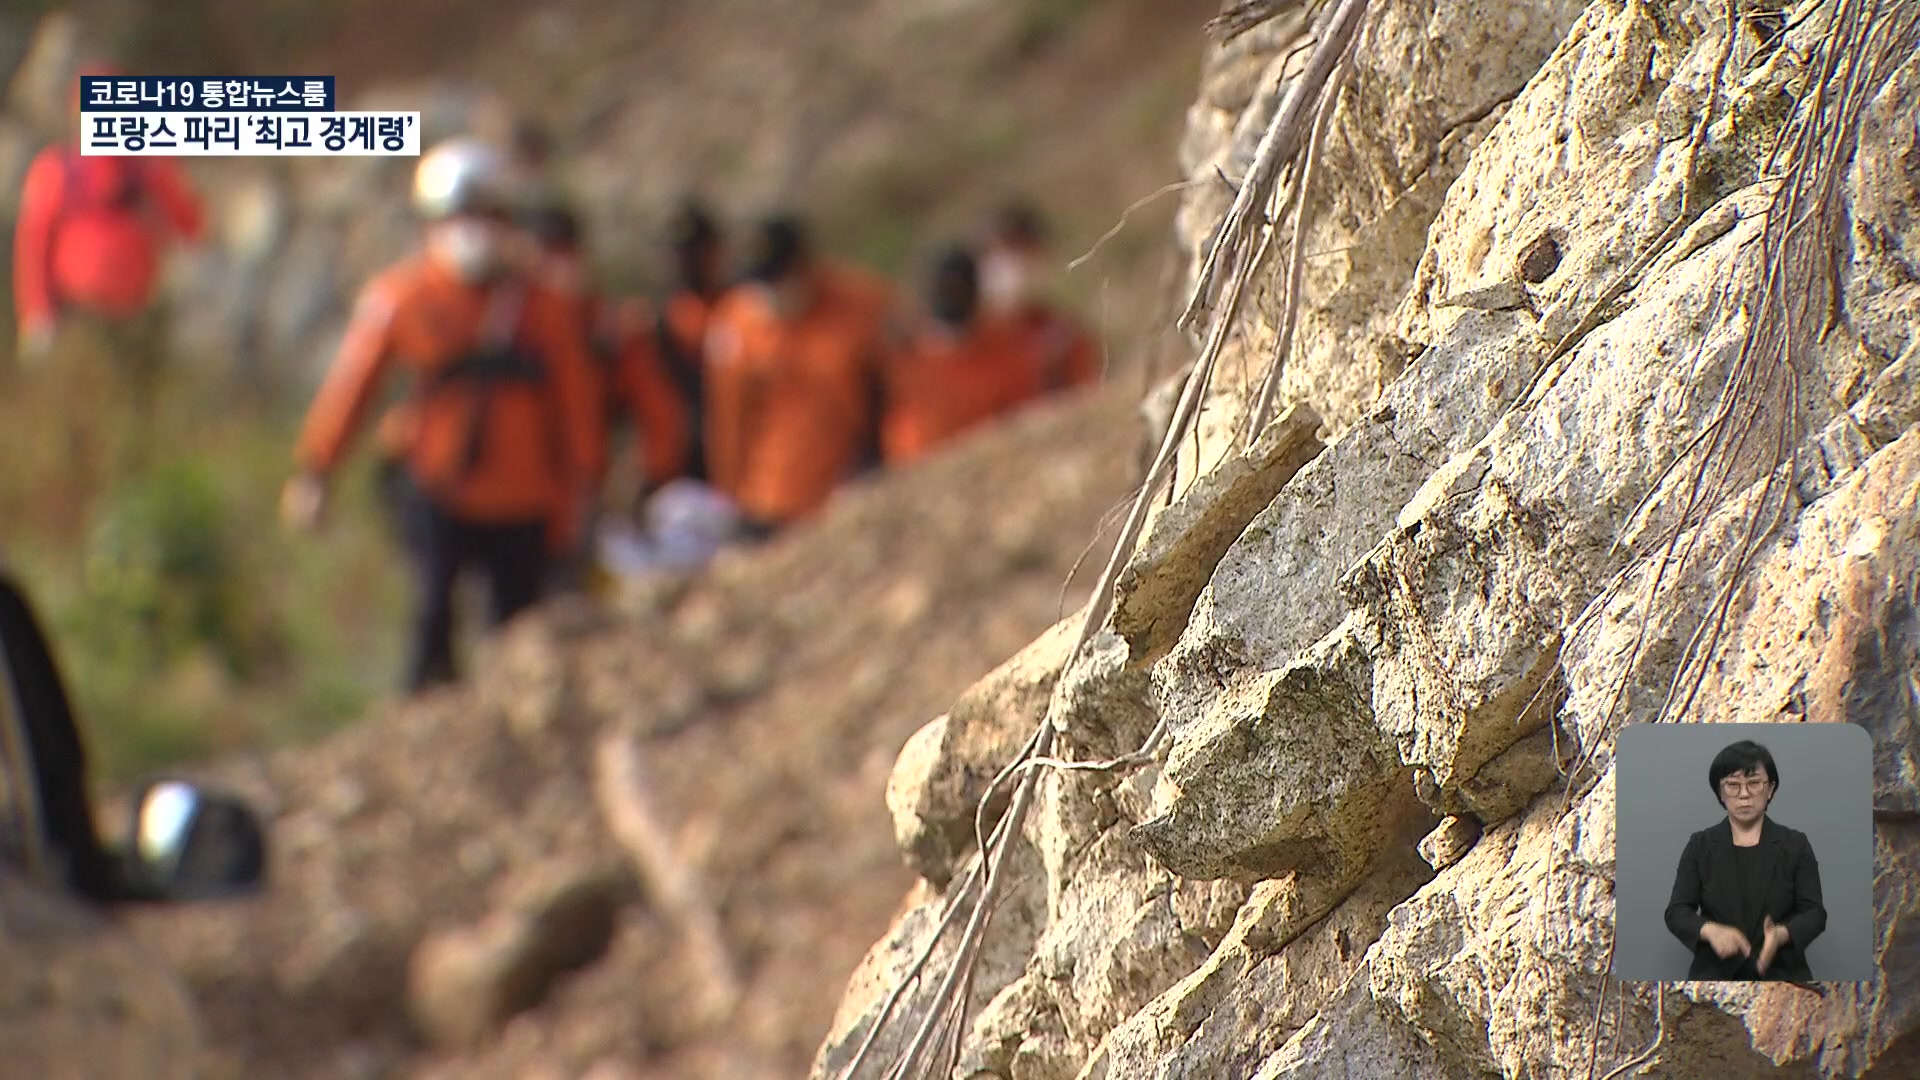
{"x":190,"y":625}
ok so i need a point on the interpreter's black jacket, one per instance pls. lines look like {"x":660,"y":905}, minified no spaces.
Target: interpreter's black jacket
{"x":1708,"y":886}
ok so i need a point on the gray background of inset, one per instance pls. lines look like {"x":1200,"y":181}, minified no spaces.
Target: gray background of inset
{"x":1662,"y":797}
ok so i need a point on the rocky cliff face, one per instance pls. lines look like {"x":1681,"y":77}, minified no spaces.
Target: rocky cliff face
{"x":1380,"y":842}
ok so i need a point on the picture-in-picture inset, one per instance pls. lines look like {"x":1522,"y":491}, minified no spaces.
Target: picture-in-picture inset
{"x":1744,"y":852}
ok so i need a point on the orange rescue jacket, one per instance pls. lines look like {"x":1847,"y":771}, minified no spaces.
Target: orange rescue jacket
{"x":940,"y":386}
{"x":636,"y":385}
{"x":680,"y":327}
{"x":502,"y":425}
{"x":1061,"y":355}
{"x":792,"y":405}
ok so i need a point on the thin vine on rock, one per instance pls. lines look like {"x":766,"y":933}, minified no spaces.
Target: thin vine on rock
{"x":1232,"y":260}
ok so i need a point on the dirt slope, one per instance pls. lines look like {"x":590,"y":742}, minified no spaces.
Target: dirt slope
{"x":771,"y":700}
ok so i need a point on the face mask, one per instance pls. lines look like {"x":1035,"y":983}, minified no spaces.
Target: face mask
{"x":1006,"y":281}
{"x":471,"y":248}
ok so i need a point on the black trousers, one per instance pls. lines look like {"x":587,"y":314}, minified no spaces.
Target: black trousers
{"x":512,"y":557}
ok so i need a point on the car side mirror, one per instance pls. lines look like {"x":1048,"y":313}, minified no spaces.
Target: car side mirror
{"x":189,"y":843}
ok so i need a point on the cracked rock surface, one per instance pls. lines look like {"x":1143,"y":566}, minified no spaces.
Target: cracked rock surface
{"x":1379,"y":840}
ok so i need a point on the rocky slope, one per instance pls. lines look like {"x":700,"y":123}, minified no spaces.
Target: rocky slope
{"x":447,"y":864}
{"x":1380,"y":841}
{"x":82,"y":1002}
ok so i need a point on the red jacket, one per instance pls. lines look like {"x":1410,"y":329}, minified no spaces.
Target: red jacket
{"x":92,"y":230}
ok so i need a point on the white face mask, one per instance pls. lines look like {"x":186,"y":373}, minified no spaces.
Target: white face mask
{"x":1006,"y":281}
{"x":471,"y":248}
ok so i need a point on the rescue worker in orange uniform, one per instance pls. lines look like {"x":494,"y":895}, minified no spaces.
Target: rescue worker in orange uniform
{"x":1062,"y":355}
{"x":954,"y":372}
{"x":90,"y":241}
{"x":793,"y":380}
{"x":697,"y":268}
{"x":630,"y":381}
{"x":503,"y":439}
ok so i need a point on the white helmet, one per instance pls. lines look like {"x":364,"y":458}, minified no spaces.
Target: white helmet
{"x":462,"y":174}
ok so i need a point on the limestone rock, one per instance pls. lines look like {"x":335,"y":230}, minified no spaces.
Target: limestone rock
{"x":1114,"y":941}
{"x":1506,"y":545}
{"x":1408,"y":120}
{"x":1274,"y":592}
{"x":1288,"y":773}
{"x":930,"y":851}
{"x":1883,"y":297}
{"x":1159,"y":585}
{"x":1014,"y":1028}
{"x":1016,"y":926}
{"x":1295,"y":942}
{"x":1504,"y":786}
{"x":1830,"y":632}
{"x":938,"y":789}
{"x":1105,"y":700}
{"x":1421,"y":614}
{"x":1449,"y":842}
{"x":1353,"y":1037}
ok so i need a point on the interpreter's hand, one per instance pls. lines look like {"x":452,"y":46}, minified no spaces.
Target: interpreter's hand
{"x":303,"y":502}
{"x":1725,"y":940}
{"x":1775,"y":939}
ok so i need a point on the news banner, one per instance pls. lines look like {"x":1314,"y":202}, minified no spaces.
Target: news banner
{"x":281,"y":116}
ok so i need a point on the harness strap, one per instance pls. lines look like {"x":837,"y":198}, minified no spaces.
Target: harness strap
{"x":495,"y":360}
